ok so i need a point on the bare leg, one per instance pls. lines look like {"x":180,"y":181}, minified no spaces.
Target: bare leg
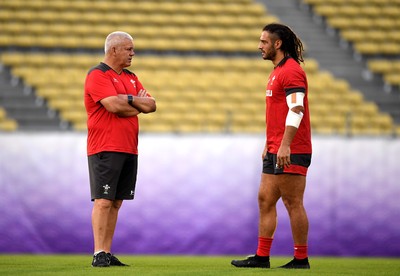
{"x":292,"y":189}
{"x":104,"y":218}
{"x":112,"y":222}
{"x":268,"y":196}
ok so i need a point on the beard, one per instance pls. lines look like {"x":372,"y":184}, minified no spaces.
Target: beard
{"x":270,"y":54}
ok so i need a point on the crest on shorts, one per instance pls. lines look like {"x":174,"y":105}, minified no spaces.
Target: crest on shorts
{"x":106,"y":188}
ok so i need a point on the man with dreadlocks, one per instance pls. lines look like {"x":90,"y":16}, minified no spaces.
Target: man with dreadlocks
{"x":287,"y":153}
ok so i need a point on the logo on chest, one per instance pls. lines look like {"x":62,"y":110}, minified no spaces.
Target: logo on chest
{"x":133,"y":83}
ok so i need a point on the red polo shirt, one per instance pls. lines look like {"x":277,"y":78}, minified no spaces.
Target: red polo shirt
{"x":107,"y":131}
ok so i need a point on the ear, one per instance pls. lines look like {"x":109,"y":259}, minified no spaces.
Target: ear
{"x":278,"y":44}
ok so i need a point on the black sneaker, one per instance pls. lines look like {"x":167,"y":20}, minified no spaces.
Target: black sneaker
{"x":101,"y":260}
{"x":252,"y":261}
{"x":114,"y":260}
{"x":297,"y":264}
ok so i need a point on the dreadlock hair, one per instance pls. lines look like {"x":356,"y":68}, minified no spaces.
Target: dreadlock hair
{"x":291,"y":44}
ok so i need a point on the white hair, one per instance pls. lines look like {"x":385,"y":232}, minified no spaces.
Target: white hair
{"x":115,"y":38}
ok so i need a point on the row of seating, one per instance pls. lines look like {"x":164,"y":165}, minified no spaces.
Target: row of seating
{"x":370,"y":42}
{"x":141,"y":32}
{"x":346,"y":9}
{"x":202,"y":94}
{"x":140,"y":20}
{"x":191,"y":7}
{"x":353,"y":2}
{"x":149,"y":62}
{"x":390,"y":69}
{"x":162,"y":44}
{"x":373,"y":36}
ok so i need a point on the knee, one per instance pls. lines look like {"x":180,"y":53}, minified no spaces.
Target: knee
{"x":265,"y":203}
{"x":292,"y":203}
{"x":103,"y":204}
{"x":262,"y":199}
{"x":116,"y":204}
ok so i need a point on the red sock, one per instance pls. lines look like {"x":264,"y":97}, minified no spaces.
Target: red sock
{"x":264,"y":246}
{"x":300,"y":251}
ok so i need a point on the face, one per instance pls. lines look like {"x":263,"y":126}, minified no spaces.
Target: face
{"x":267,"y":46}
{"x":124,"y":53}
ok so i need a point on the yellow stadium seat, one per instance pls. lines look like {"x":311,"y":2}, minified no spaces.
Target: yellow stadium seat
{"x":8,"y":125}
{"x":380,"y":66}
{"x":353,"y":35}
{"x":392,"y":78}
{"x":367,"y":109}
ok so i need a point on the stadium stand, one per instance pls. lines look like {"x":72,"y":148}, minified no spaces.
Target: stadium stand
{"x":371,"y":28}
{"x":202,"y":81}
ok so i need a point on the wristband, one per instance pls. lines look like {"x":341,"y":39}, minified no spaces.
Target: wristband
{"x":130,"y":99}
{"x":293,"y":119}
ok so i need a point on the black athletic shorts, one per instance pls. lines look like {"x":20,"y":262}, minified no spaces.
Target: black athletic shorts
{"x":299,"y":164}
{"x":112,"y":175}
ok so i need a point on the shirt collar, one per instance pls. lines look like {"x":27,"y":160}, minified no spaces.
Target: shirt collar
{"x":282,"y":62}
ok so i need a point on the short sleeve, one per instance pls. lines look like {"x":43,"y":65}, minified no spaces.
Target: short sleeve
{"x":99,"y":85}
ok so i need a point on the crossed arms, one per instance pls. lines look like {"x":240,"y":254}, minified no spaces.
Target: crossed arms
{"x":142,"y":103}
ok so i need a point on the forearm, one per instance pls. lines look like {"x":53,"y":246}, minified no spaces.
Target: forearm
{"x":283,"y":155}
{"x":119,"y":106}
{"x":128,"y":113}
{"x":126,"y":109}
{"x":288,"y":136}
{"x":144,"y":104}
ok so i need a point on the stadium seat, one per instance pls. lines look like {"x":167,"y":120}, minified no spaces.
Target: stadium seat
{"x":7,"y":124}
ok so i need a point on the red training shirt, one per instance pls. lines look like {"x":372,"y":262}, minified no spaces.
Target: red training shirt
{"x":286,"y":78}
{"x":107,"y":131}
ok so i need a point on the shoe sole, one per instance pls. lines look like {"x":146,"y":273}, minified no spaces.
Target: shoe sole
{"x":239,"y":266}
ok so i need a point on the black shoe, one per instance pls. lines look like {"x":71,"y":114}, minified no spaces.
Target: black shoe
{"x":101,"y":260}
{"x":252,"y":261}
{"x":297,"y":264}
{"x":114,"y":260}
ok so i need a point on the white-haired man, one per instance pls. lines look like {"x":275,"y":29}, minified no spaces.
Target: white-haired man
{"x":114,"y":97}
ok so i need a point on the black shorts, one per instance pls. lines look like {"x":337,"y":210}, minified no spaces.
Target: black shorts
{"x":112,"y":175}
{"x":299,"y":164}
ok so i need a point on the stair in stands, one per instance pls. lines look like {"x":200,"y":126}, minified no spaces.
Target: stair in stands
{"x":21,"y":104}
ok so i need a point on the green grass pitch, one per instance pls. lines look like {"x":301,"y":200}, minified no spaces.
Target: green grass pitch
{"x":188,"y":265}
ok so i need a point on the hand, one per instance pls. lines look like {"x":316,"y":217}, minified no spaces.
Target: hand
{"x":283,"y":157}
{"x":264,"y":153}
{"x":142,"y":93}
